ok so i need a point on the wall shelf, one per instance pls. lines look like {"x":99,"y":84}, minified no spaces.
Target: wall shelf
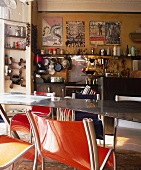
{"x":14,"y":36}
{"x":14,"y":49}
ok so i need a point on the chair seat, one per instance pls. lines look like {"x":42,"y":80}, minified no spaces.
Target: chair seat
{"x":11,"y":149}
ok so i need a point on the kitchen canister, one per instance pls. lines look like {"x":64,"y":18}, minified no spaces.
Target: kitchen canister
{"x":61,"y":51}
{"x":118,"y":51}
{"x":132,"y":51}
{"x":114,"y":50}
{"x":108,"y":51}
{"x":22,"y":31}
{"x":54,"y":51}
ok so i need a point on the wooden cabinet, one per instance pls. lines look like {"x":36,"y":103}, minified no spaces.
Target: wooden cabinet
{"x":111,"y":86}
{"x":58,"y":88}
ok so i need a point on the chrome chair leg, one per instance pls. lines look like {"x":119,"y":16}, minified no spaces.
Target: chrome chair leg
{"x":43,"y":164}
{"x":35,"y":160}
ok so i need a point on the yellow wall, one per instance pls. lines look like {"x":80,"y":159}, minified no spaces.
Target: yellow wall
{"x":129,"y":23}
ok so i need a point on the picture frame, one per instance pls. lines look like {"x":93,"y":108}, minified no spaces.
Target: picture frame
{"x":75,"y":33}
{"x":97,"y":32}
{"x":104,"y":33}
{"x":52,"y":31}
{"x":112,"y":33}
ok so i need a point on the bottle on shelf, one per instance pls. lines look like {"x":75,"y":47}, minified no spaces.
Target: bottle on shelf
{"x":92,"y":50}
{"x":127,"y":50}
{"x":108,"y":51}
{"x":118,"y":51}
{"x":114,"y":50}
{"x":132,"y":51}
{"x":6,"y":59}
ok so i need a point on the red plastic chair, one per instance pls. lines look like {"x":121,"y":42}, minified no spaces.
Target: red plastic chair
{"x":19,"y":122}
{"x":70,"y":142}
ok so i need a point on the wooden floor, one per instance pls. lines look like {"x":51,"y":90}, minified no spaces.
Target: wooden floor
{"x":124,"y":161}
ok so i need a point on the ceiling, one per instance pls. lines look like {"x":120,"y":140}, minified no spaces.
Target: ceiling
{"x":90,"y":5}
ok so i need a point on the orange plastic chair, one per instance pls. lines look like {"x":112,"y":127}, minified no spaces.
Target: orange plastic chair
{"x":19,"y":122}
{"x":11,"y":150}
{"x":70,"y":142}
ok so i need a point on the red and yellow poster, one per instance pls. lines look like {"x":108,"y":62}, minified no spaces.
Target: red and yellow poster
{"x":97,"y":33}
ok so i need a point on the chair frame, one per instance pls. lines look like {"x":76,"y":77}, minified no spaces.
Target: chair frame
{"x":125,"y":129}
{"x":127,"y":98}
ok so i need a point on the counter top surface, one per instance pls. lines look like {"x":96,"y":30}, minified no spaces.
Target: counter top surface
{"x":124,"y":110}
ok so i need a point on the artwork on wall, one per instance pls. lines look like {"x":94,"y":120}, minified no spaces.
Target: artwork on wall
{"x":104,"y":33}
{"x":97,"y":32}
{"x":52,"y":31}
{"x":75,"y":33}
{"x":112,"y":31}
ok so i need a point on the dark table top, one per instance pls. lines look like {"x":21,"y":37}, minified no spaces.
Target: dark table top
{"x":127,"y":110}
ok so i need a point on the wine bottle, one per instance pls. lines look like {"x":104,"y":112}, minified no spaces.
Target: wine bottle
{"x":127,"y":50}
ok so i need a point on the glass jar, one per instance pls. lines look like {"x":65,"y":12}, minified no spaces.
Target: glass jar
{"x":61,"y":51}
{"x":50,"y":51}
{"x":54,"y":51}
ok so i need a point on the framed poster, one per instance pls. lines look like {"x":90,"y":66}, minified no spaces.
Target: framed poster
{"x":52,"y":31}
{"x":112,"y":30}
{"x":75,"y":33}
{"x":104,"y":33}
{"x":97,"y":32}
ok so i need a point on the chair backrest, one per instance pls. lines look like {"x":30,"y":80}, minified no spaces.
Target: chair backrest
{"x":94,"y":96}
{"x":85,"y":96}
{"x":45,"y":111}
{"x":44,"y":93}
{"x":127,"y":98}
{"x":78,"y":114}
{"x":127,"y":133}
{"x":70,"y":142}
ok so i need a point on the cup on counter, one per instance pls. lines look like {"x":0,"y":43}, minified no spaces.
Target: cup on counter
{"x":97,"y":96}
{"x":73,"y":95}
{"x":42,"y":51}
{"x":59,"y":79}
{"x":53,"y":79}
